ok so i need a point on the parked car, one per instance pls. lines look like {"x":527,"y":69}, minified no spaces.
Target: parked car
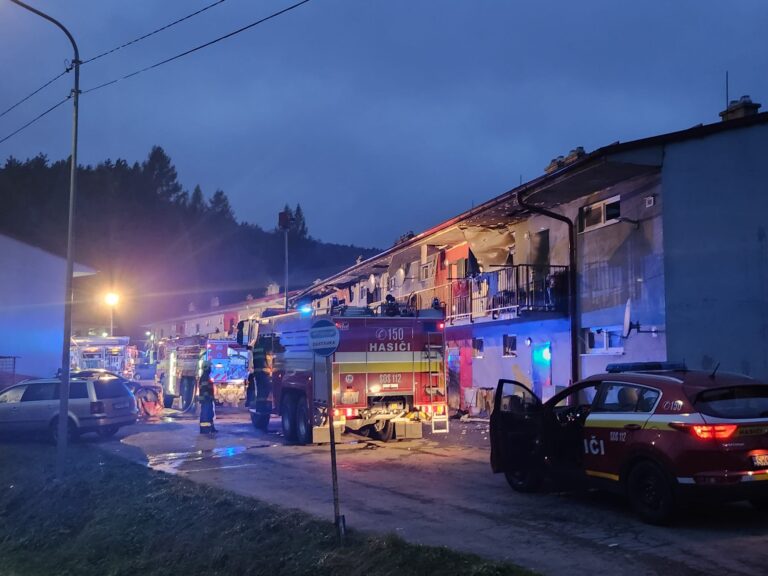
{"x":656,"y":432}
{"x":101,"y":406}
{"x":149,"y":395}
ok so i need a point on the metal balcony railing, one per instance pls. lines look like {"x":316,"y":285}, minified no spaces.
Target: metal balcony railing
{"x":509,"y":291}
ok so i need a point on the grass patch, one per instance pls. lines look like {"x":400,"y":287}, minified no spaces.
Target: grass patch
{"x":110,"y":517}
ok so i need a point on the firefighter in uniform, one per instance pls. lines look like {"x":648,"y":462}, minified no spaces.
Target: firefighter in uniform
{"x":259,"y":385}
{"x":207,"y":397}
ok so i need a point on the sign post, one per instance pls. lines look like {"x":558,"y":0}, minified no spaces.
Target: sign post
{"x":324,"y":340}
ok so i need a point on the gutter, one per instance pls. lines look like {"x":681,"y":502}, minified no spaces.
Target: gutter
{"x":572,"y":290}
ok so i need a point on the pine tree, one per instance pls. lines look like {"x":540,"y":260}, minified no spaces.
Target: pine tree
{"x":220,"y":208}
{"x":197,"y":202}
{"x":299,"y":227}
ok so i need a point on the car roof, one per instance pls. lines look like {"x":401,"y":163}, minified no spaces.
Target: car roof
{"x":693,"y":381}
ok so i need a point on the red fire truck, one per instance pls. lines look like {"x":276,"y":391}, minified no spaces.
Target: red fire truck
{"x":180,"y":362}
{"x":387,"y":375}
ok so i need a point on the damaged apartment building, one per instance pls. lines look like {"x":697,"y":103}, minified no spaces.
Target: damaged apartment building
{"x":650,"y":250}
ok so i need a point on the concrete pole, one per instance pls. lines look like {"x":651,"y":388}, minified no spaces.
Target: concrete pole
{"x":64,"y":386}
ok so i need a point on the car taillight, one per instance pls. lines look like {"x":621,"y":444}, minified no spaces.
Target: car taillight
{"x":707,"y":431}
{"x":97,"y":407}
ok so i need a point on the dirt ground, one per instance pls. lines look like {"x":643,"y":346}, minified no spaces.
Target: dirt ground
{"x":440,"y":491}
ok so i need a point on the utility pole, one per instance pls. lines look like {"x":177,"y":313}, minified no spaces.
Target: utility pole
{"x":64,"y":386}
{"x":284,"y":221}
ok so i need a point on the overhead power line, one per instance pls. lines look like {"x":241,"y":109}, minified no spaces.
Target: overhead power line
{"x":28,"y":96}
{"x":140,"y":38}
{"x":115,"y":49}
{"x":35,"y":119}
{"x":196,"y":48}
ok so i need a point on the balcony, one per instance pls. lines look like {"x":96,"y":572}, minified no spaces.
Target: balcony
{"x":507,"y":292}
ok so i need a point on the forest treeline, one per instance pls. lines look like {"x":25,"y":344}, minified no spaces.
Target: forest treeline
{"x":143,"y":231}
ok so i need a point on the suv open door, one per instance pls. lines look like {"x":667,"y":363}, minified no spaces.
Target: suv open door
{"x":515,"y":429}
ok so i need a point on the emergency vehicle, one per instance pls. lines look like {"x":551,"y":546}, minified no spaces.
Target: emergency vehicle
{"x":387,"y":374}
{"x":112,"y":353}
{"x":656,"y":432}
{"x":180,"y":361}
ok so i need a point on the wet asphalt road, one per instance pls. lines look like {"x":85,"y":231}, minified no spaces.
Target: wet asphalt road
{"x":440,"y":491}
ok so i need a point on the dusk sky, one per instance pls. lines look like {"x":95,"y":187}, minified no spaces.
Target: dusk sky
{"x":379,"y":117}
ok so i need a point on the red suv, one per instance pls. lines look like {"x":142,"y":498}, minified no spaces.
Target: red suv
{"x":657,"y":432}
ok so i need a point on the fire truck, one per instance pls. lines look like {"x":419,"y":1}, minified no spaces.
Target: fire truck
{"x":180,"y":362}
{"x":113,"y":353}
{"x":387,"y":375}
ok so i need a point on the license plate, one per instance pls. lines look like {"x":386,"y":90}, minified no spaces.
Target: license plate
{"x":120,"y":405}
{"x":760,"y":460}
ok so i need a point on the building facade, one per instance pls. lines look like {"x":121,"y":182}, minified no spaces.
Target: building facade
{"x":648,"y":250}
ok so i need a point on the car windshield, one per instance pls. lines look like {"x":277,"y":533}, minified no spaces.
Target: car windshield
{"x":734,"y":402}
{"x":107,"y":388}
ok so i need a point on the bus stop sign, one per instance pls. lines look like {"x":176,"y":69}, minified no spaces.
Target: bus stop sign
{"x":324,"y":338}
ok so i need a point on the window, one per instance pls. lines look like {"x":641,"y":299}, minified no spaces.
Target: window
{"x":12,"y":395}
{"x":509,"y":345}
{"x":40,"y":392}
{"x":78,"y":390}
{"x":622,"y":397}
{"x":477,"y":347}
{"x":363,"y":294}
{"x":599,"y":214}
{"x":427,"y":271}
{"x":515,"y":399}
{"x":603,"y":340}
{"x":734,"y":402}
{"x":107,"y":388}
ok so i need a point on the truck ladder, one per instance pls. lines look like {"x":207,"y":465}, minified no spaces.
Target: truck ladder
{"x":440,"y":424}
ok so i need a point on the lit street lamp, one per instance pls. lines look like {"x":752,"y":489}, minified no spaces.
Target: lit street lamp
{"x":111,"y":300}
{"x":65,"y":360}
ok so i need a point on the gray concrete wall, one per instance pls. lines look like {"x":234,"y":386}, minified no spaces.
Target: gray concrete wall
{"x":716,"y":247}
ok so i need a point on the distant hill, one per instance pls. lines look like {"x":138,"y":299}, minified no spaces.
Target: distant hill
{"x":158,"y":244}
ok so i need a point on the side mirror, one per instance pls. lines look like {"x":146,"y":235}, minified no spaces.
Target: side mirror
{"x":240,"y":326}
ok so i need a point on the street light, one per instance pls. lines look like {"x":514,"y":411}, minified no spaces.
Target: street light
{"x":111,"y":300}
{"x":65,"y":360}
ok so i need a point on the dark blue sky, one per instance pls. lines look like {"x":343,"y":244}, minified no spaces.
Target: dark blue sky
{"x":378,"y":116}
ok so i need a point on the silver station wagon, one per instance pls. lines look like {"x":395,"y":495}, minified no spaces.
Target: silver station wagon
{"x":100,"y":406}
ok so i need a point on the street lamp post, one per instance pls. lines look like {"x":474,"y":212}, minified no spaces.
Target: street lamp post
{"x":65,"y":360}
{"x":111,"y":299}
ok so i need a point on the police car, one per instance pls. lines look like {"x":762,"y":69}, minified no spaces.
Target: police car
{"x":656,"y":432}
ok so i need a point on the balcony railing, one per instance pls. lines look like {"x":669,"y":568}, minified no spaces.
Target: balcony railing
{"x":505,"y":292}
{"x":508,"y":291}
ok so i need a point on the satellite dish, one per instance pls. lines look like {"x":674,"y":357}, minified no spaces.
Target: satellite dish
{"x":628,"y":324}
{"x":627,"y":328}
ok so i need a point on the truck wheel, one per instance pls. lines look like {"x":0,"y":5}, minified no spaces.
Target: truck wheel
{"x":168,"y":400}
{"x":650,"y":493}
{"x":303,"y":425}
{"x":288,"y":413}
{"x":260,"y":421}
{"x":383,"y":430}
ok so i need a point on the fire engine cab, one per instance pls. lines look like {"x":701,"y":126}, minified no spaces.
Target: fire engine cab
{"x":387,"y":374}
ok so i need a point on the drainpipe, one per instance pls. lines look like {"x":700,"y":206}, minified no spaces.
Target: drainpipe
{"x":572,"y":291}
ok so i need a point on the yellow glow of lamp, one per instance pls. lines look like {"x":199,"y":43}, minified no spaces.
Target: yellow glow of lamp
{"x":111,"y":299}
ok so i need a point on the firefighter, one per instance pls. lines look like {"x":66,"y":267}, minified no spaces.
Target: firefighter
{"x":259,"y":382}
{"x":207,"y":397}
